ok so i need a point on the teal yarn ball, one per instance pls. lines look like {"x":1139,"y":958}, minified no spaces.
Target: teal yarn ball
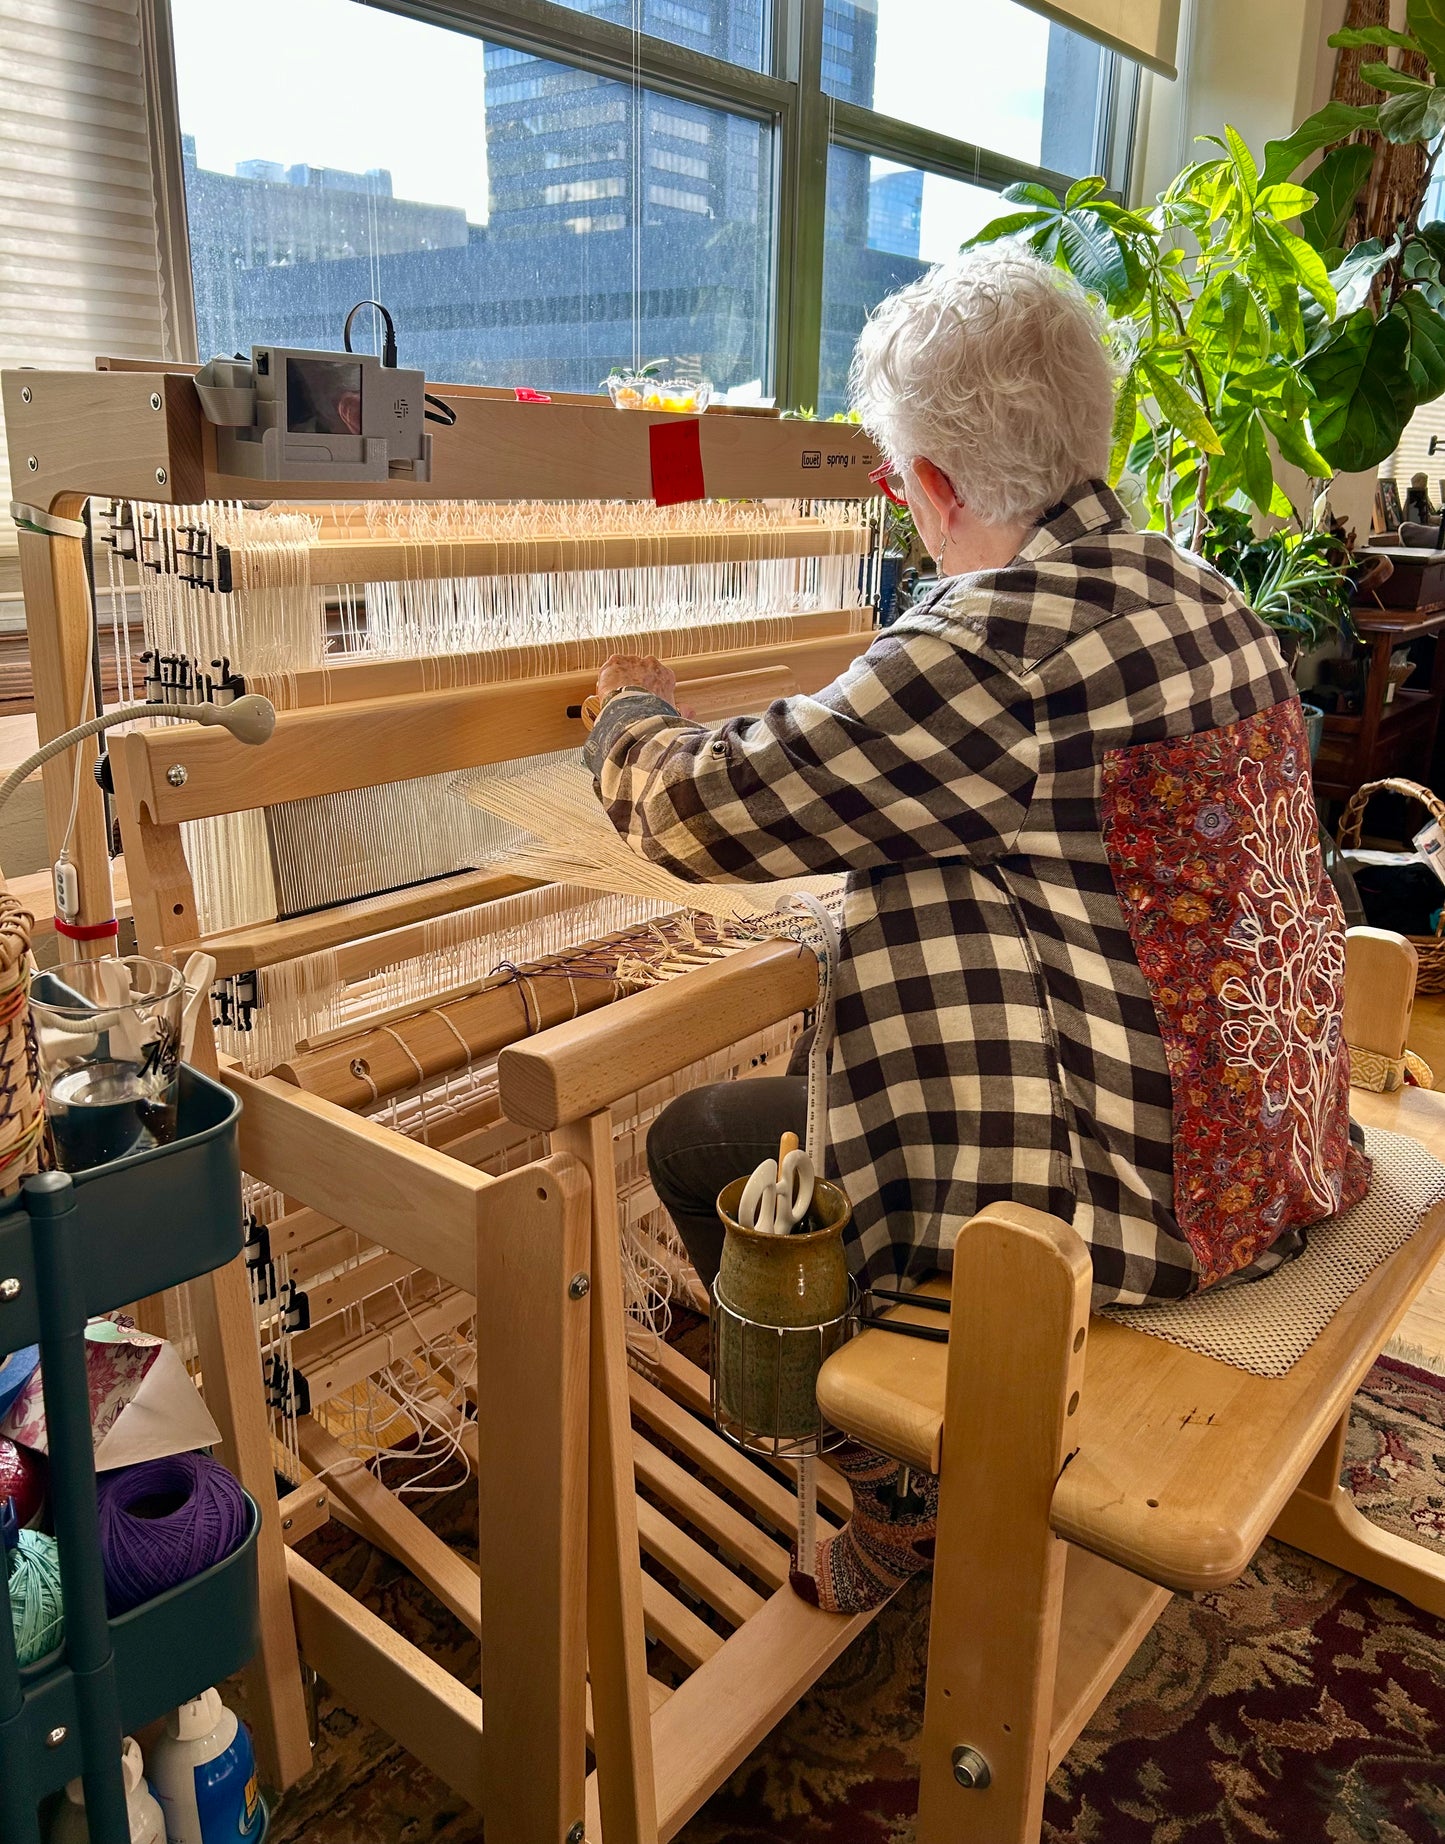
{"x":35,"y":1610}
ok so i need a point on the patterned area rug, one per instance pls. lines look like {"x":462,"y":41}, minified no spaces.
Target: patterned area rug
{"x":1298,"y":1706}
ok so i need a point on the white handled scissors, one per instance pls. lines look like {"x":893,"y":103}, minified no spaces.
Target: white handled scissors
{"x":777,"y":1196}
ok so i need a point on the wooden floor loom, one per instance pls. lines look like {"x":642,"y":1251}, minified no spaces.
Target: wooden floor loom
{"x":524,"y":1244}
{"x":611,"y":1512}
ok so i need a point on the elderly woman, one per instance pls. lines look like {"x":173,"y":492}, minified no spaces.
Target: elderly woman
{"x":1091,"y":960}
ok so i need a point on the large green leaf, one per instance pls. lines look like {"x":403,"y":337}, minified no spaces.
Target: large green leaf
{"x":1294,"y":444}
{"x":1427,"y":345}
{"x":1243,"y":160}
{"x":1092,"y":254}
{"x":1336,"y":183}
{"x":1083,"y":190}
{"x":1229,"y":324}
{"x":1351,"y":38}
{"x":1363,"y":394}
{"x":1353,"y":277}
{"x":1335,"y":122}
{"x":1308,"y":265}
{"x":1426,"y":19}
{"x":1030,"y":192}
{"x":1008,"y":226}
{"x":1258,"y":468}
{"x":1398,"y":82}
{"x":1126,"y":415}
{"x":1284,"y":200}
{"x":1182,"y":410}
{"x":1417,"y":116}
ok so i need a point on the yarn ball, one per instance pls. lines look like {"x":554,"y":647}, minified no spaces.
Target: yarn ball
{"x":36,"y":1613}
{"x":163,"y":1521}
{"x":22,"y":1478}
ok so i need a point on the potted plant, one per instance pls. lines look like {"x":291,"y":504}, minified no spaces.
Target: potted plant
{"x":1248,"y":327}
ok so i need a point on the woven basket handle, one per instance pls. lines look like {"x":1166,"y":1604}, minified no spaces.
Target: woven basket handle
{"x":1352,"y":820}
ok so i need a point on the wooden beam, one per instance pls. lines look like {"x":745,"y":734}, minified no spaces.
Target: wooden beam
{"x":386,"y":1680}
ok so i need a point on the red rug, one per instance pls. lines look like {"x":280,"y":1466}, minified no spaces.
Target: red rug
{"x":1298,"y":1706}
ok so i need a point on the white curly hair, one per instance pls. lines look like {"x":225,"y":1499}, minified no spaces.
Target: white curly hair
{"x":993,"y":366}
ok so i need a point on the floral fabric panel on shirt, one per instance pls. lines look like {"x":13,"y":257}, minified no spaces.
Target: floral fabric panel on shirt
{"x":1214,"y":847}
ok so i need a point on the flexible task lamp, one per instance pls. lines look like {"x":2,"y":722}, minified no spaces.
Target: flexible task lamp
{"x":250,"y":719}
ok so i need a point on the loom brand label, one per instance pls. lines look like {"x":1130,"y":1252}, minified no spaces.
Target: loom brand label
{"x":812,"y":457}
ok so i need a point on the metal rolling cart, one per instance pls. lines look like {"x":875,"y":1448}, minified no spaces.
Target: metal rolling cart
{"x":72,"y":1246}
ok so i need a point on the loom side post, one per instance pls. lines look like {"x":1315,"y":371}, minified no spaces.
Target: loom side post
{"x":532,"y":1261}
{"x":58,"y":624}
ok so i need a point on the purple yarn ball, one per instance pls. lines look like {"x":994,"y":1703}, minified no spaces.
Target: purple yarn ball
{"x":164,"y":1521}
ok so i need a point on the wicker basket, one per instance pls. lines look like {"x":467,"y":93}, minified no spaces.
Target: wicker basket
{"x":1431,"y":948}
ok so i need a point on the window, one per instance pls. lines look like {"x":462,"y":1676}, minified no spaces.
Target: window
{"x":307,"y":190}
{"x":995,"y":74}
{"x":551,"y":213}
{"x":735,"y":30}
{"x":886,"y":224}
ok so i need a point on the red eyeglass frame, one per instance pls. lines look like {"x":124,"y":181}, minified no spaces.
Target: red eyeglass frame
{"x":879,"y":478}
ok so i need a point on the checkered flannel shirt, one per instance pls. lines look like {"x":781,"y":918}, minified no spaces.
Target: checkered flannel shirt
{"x":995,"y":1039}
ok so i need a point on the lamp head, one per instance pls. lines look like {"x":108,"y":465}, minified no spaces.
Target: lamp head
{"x":250,"y":719}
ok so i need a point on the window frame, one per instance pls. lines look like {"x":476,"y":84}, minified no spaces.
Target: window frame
{"x":787,"y":98}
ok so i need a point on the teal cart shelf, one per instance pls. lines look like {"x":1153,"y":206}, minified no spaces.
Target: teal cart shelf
{"x":73,"y":1246}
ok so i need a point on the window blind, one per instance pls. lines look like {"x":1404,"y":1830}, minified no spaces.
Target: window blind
{"x":80,"y":264}
{"x":1145,"y":30}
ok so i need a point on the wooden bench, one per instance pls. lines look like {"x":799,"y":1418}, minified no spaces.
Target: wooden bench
{"x":1089,"y":1471}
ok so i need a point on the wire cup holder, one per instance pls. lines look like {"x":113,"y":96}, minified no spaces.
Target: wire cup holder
{"x":762,"y":1379}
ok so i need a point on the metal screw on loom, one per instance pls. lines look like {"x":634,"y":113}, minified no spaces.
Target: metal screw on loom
{"x":577,"y":1834}
{"x":9,"y":1288}
{"x":56,"y":1736}
{"x":155,"y":400}
{"x":579,"y":1287}
{"x":176,"y":774}
{"x":970,"y":1769}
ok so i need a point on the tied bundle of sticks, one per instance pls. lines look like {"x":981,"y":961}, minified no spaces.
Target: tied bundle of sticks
{"x":22,"y":1113}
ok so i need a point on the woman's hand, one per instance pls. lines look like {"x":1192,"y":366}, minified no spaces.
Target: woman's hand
{"x":640,"y":671}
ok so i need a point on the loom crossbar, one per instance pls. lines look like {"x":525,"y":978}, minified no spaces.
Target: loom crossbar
{"x":189,"y":772}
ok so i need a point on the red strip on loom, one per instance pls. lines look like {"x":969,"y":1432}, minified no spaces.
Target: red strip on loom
{"x":87,"y":931}
{"x":677,"y":461}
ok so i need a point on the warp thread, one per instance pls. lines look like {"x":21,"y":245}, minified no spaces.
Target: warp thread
{"x":22,"y":1478}
{"x":36,"y":1612}
{"x":164,"y":1521}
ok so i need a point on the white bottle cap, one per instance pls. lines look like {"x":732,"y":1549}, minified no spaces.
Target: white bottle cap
{"x":131,"y":1766}
{"x":196,"y":1719}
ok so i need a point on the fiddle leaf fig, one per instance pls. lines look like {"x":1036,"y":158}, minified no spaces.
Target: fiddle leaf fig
{"x":1426,"y":21}
{"x":1427,"y":345}
{"x":1386,"y":77}
{"x":1415,"y":115}
{"x":1336,"y":183}
{"x":1351,"y":38}
{"x":1362,"y":390}
{"x":1335,"y":122}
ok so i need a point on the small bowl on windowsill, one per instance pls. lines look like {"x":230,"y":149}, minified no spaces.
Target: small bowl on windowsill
{"x":680,"y":396}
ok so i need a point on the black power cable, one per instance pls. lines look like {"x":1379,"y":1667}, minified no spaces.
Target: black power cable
{"x":440,"y":412}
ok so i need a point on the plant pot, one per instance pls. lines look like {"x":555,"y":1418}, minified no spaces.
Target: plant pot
{"x":783,"y":1304}
{"x":1314,"y":727}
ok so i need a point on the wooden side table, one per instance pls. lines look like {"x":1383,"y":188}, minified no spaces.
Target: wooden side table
{"x":1397,"y":738}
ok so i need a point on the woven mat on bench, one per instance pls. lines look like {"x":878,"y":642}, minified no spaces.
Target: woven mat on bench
{"x":1266,"y":1326}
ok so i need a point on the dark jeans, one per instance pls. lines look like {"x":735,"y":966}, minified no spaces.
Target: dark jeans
{"x":711,"y":1135}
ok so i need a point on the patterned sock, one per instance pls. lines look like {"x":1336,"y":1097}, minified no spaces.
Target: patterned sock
{"x":889,"y":1537}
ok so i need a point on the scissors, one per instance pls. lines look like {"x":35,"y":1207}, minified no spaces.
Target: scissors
{"x":777,"y":1196}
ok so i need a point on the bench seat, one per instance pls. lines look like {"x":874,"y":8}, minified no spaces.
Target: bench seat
{"x":1182,"y":1463}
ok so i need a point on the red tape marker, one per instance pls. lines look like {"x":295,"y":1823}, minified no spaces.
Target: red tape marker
{"x":87,"y":931}
{"x":677,"y":461}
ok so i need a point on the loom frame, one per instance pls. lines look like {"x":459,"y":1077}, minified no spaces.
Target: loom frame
{"x":553,"y":1396}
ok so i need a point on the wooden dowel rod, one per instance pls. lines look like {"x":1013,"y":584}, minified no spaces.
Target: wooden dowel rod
{"x":338,"y":557}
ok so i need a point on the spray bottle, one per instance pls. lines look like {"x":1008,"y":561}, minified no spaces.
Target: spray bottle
{"x":147,"y":1823}
{"x":204,"y":1774}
